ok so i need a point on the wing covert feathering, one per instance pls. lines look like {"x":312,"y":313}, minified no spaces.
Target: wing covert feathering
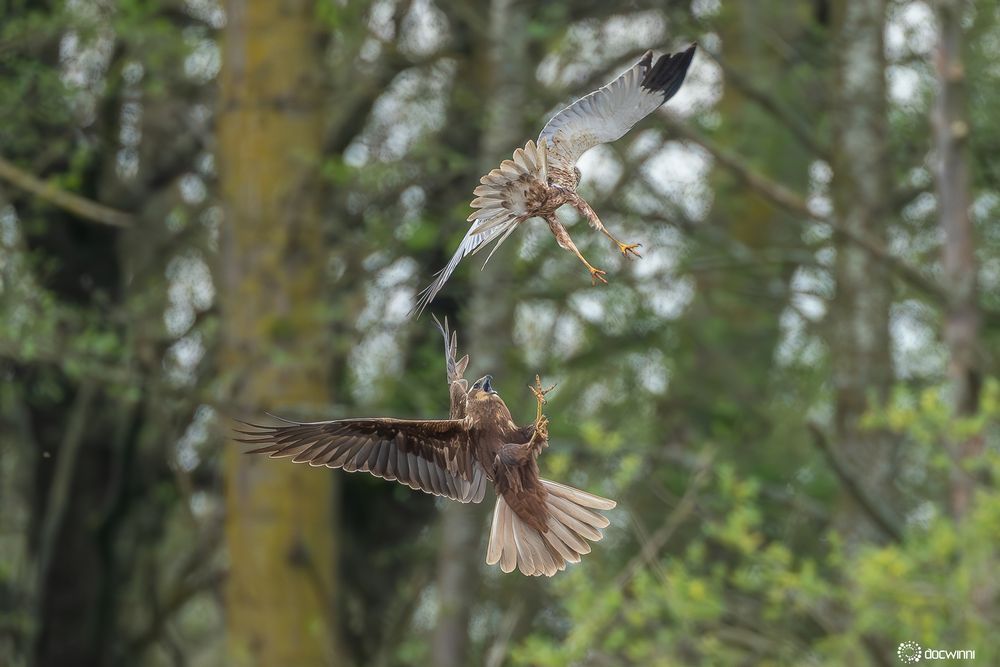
{"x":425,"y":455}
{"x":456,"y":367}
{"x":606,"y":114}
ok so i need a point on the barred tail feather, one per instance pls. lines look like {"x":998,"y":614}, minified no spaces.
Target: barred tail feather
{"x":572,"y":521}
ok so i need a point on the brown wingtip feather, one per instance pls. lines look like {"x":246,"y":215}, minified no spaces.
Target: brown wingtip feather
{"x":439,"y":326}
{"x":270,"y":449}
{"x":261,"y":434}
{"x":282,"y":419}
{"x":450,"y":348}
{"x":265,"y":438}
{"x":258,"y":428}
{"x":257,"y":436}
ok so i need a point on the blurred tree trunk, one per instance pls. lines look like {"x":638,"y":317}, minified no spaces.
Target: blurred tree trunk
{"x":71,"y":567}
{"x":859,"y":343}
{"x":280,"y":517}
{"x":458,"y":558}
{"x":489,"y":319}
{"x":962,"y":320}
{"x":81,"y":428}
{"x":748,"y":217}
{"x":456,"y":581}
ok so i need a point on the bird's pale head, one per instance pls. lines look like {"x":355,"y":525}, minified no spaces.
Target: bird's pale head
{"x":484,"y":387}
{"x":484,"y":402}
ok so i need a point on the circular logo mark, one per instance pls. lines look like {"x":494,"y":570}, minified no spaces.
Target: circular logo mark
{"x":909,"y":652}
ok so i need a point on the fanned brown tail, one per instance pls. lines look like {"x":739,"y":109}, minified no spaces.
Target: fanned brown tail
{"x":572,"y":521}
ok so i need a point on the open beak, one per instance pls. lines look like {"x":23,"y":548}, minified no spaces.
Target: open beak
{"x":487,"y":384}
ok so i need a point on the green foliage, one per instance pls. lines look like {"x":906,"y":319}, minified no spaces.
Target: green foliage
{"x":686,"y":386}
{"x":733,"y":593}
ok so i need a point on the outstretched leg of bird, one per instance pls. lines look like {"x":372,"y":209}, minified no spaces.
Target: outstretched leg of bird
{"x":540,"y":438}
{"x":580,"y":204}
{"x":539,"y":393}
{"x":564,"y":241}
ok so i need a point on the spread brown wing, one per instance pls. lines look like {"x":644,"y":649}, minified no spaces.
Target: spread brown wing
{"x":429,"y":455}
{"x":458,"y":386}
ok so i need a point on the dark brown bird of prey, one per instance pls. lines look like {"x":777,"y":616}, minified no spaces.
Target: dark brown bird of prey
{"x":538,"y":525}
{"x":543,"y":176}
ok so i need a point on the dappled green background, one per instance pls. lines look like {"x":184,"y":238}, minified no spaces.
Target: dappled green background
{"x":768,"y":392}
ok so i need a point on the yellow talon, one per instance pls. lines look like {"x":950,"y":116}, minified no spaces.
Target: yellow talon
{"x":629,"y":249}
{"x":539,"y":393}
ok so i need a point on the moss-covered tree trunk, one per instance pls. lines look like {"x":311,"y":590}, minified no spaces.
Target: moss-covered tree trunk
{"x":280,"y":519}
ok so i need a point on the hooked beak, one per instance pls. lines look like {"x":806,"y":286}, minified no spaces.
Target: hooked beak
{"x":486,"y":382}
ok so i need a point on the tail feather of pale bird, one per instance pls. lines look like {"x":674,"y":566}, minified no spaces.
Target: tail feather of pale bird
{"x":572,"y":521}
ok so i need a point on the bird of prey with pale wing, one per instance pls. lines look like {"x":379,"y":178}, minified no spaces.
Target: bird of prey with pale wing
{"x":543,"y":175}
{"x":538,"y":525}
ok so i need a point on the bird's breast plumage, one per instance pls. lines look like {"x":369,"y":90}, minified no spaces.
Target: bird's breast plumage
{"x":563,"y":178}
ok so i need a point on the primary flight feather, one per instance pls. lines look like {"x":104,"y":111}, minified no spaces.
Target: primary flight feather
{"x":543,"y":175}
{"x":538,"y":525}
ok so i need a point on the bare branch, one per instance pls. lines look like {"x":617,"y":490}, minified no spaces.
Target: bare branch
{"x":769,"y":189}
{"x":794,"y":203}
{"x":59,"y":490}
{"x":881,"y":518}
{"x":166,"y":609}
{"x":799,"y":129}
{"x":686,"y":506}
{"x":68,"y":201}
{"x":497,"y":652}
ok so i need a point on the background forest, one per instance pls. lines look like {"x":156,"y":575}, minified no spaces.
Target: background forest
{"x":210,"y":209}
